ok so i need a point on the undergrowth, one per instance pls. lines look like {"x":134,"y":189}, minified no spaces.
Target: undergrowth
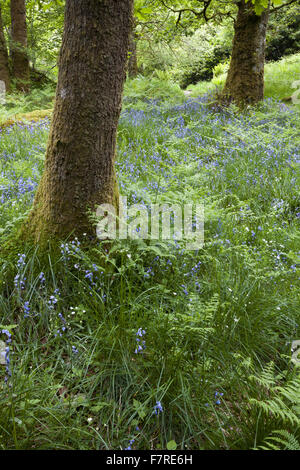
{"x":150,"y":342}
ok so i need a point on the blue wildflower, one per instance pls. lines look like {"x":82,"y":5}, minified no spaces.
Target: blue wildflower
{"x":158,"y":408}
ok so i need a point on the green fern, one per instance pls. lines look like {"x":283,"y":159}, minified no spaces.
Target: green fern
{"x":283,"y":396}
{"x":280,"y":440}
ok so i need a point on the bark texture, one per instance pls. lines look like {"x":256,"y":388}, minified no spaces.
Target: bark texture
{"x":79,"y":169}
{"x":4,"y":68}
{"x":245,"y":79}
{"x":20,"y":62}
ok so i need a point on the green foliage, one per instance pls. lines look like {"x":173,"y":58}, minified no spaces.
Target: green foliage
{"x":194,"y":59}
{"x":18,"y":103}
{"x":218,"y":322}
{"x":155,"y":89}
{"x":202,"y":52}
{"x":45,"y":22}
{"x":280,"y":440}
{"x":190,"y":59}
{"x":280,"y":76}
{"x":283,"y":35}
{"x":283,"y":397}
{"x":261,"y":5}
{"x":45,"y":19}
{"x":142,"y":11}
{"x":279,"y":79}
{"x":187,"y":51}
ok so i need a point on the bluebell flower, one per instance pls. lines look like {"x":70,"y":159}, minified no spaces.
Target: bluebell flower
{"x":42,"y":279}
{"x":21,"y":260}
{"x":26,"y":308}
{"x":130,"y":444}
{"x":218,"y":402}
{"x":19,"y":282}
{"x":140,"y":344}
{"x":158,"y":408}
{"x":52,"y":302}
{"x":63,"y":327}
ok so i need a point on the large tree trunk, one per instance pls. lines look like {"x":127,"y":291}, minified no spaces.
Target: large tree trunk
{"x":4,"y":69}
{"x":245,"y":79}
{"x":79,"y":170}
{"x":20,"y":63}
{"x":132,"y":61}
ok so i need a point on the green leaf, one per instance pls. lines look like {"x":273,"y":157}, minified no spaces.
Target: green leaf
{"x":97,"y":408}
{"x":8,"y":327}
{"x":34,"y":401}
{"x":172,"y":445}
{"x":139,"y":408}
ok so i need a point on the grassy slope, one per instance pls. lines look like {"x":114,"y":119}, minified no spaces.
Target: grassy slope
{"x":218,"y":322}
{"x":279,"y":77}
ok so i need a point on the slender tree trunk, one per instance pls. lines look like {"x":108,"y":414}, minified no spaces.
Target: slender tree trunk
{"x":245,"y":79}
{"x":20,"y":63}
{"x":132,"y":61}
{"x":4,"y":68}
{"x":79,"y":170}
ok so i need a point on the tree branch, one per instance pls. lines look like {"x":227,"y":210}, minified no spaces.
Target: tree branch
{"x":282,"y":6}
{"x":198,"y":13}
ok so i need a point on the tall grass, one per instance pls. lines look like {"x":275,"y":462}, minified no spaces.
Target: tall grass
{"x":218,"y":323}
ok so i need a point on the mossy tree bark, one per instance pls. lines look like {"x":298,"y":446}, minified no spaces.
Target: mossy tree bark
{"x":20,"y":62}
{"x":4,"y":68}
{"x":245,"y":79}
{"x":79,"y":170}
